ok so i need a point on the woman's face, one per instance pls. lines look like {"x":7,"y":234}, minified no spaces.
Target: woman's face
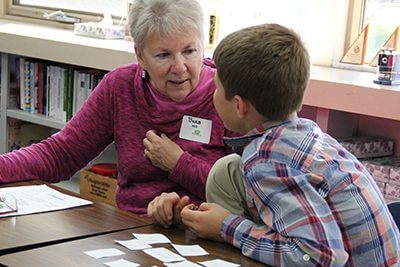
{"x":173,"y":63}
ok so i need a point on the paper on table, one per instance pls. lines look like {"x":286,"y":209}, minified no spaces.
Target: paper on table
{"x":163,"y":254}
{"x":133,"y":244}
{"x":152,"y":238}
{"x":190,"y":250}
{"x":182,"y":264}
{"x":218,"y":263}
{"x":40,"y":198}
{"x":102,"y":253}
{"x":121,"y":263}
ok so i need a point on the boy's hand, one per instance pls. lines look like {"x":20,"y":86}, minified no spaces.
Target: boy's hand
{"x":161,"y":151}
{"x":205,"y":221}
{"x":166,"y":209}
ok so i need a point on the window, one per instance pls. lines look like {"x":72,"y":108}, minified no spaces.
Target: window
{"x":383,"y":18}
{"x":114,"y":7}
{"x":328,"y":27}
{"x":316,"y":21}
{"x":87,"y":10}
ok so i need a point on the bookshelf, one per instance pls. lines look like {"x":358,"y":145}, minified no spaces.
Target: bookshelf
{"x":55,"y":45}
{"x":35,"y":118}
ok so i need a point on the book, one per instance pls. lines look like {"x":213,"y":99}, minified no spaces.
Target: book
{"x":27,"y":86}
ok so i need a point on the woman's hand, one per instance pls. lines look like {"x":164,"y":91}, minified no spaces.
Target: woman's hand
{"x":161,"y":151}
{"x":206,"y":220}
{"x":166,"y":208}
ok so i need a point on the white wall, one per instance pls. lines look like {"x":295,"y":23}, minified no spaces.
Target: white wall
{"x":321,"y":23}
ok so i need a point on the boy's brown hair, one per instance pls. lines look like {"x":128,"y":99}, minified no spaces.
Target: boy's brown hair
{"x":268,"y":65}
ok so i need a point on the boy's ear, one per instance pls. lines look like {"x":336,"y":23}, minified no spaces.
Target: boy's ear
{"x":242,"y":106}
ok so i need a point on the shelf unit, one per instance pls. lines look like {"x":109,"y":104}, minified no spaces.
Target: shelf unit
{"x":342,"y":102}
{"x":346,"y":103}
{"x":56,"y":45}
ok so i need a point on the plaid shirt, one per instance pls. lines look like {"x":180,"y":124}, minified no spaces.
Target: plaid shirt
{"x":317,"y":204}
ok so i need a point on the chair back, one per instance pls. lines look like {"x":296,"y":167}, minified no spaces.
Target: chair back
{"x":394,"y":209}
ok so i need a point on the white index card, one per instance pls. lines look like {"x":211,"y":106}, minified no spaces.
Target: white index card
{"x":182,"y":264}
{"x":133,"y":244}
{"x":218,"y":263}
{"x":102,"y":253}
{"x":163,"y":254}
{"x":152,"y":238}
{"x":121,"y":263}
{"x":190,"y":250}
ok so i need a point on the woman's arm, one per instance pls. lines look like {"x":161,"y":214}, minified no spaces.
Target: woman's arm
{"x":61,"y":155}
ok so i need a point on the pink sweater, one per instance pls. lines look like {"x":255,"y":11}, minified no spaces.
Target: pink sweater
{"x":118,"y":110}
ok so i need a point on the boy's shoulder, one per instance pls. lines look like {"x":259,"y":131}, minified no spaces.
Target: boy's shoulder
{"x":281,"y":144}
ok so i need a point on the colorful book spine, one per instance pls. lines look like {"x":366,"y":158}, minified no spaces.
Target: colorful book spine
{"x":27,"y":86}
{"x":53,"y":90}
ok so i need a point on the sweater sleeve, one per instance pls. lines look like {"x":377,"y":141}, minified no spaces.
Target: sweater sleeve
{"x":61,"y":155}
{"x":191,"y":173}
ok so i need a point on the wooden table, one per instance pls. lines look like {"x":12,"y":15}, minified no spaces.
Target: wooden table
{"x":71,"y":253}
{"x":35,"y":230}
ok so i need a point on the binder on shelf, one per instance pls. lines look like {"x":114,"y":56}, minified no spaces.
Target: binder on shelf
{"x":20,"y":75}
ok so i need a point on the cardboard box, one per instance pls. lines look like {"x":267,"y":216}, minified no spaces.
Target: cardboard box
{"x":392,"y":191}
{"x":382,"y":169}
{"x":98,"y":30}
{"x":367,"y":146}
{"x":394,"y":176}
{"x":382,"y":187}
{"x":386,"y":169}
{"x":97,"y":187}
{"x":379,"y":168}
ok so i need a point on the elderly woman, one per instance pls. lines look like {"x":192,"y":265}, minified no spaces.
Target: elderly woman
{"x":158,"y":112}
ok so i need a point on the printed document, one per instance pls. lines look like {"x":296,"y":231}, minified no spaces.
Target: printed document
{"x":40,"y":198}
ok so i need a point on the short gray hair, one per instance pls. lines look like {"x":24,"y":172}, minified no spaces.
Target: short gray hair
{"x":164,"y":17}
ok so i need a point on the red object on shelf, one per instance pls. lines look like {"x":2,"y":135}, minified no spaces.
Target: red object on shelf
{"x":106,"y":169}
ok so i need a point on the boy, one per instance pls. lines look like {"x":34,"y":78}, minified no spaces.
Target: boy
{"x":303,"y":200}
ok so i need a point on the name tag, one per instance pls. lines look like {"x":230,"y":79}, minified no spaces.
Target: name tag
{"x":195,"y":129}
